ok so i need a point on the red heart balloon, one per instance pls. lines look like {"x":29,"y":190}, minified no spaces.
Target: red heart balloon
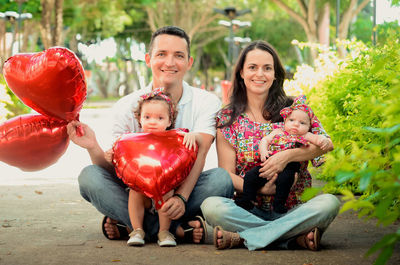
{"x":33,"y":141}
{"x":51,"y":82}
{"x":153,"y":163}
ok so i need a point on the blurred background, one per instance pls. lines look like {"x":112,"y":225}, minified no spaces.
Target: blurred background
{"x":111,"y":37}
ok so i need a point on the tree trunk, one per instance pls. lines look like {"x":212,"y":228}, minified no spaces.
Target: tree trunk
{"x":58,"y":29}
{"x":45,"y":25}
{"x":3,"y":50}
{"x":305,"y":17}
{"x":323,"y":28}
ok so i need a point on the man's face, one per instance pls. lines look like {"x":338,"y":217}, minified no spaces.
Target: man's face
{"x":169,"y":60}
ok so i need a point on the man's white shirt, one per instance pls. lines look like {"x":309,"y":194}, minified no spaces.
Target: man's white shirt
{"x":196,"y":111}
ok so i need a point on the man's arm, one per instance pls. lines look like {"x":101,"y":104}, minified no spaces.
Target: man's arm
{"x":88,"y":141}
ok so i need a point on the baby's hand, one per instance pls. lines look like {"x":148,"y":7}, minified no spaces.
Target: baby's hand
{"x":323,"y":142}
{"x":189,"y":140}
{"x":264,"y":154}
{"x":108,"y":155}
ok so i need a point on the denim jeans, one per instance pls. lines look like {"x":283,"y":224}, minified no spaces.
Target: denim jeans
{"x":259,"y":229}
{"x":106,"y":192}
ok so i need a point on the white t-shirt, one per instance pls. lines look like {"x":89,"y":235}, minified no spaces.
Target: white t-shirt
{"x":196,"y":111}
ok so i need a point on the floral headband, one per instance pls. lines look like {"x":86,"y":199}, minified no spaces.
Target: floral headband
{"x":300,"y":103}
{"x":159,"y":92}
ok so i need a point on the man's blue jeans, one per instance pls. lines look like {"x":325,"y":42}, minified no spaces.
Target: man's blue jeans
{"x":106,"y":192}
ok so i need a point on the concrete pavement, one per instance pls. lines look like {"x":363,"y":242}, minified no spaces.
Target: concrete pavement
{"x":44,"y":220}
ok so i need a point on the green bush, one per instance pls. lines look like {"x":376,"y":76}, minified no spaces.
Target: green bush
{"x":10,"y":105}
{"x":359,"y":106}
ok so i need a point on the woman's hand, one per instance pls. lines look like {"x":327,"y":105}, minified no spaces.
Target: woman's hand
{"x":274,"y":165}
{"x":87,"y":140}
{"x":269,"y":188}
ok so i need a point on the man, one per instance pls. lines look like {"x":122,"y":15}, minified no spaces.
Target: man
{"x":169,"y":60}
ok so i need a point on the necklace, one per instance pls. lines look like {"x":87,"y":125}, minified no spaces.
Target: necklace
{"x":254,"y":118}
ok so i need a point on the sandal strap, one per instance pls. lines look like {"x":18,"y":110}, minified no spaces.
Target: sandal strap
{"x":235,"y":240}
{"x":229,"y":239}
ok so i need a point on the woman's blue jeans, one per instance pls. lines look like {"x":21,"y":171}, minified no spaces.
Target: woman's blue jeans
{"x":260,"y":229}
{"x":106,"y":192}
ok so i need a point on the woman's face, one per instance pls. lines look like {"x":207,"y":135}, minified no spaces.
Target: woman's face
{"x":297,"y":123}
{"x":258,"y":72}
{"x":154,"y":116}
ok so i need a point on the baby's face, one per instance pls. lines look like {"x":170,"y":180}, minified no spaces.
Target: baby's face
{"x":154,"y":116}
{"x":298,"y":123}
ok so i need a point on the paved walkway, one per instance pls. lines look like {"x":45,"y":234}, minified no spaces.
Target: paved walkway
{"x":44,"y":220}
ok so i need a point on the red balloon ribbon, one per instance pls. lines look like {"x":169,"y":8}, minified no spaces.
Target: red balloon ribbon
{"x":153,"y":163}
{"x":33,"y":141}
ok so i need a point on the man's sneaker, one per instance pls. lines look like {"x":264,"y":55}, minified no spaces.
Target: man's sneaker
{"x":136,"y":238}
{"x":166,"y":239}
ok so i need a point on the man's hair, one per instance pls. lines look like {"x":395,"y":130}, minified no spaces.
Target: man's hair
{"x":170,"y":30}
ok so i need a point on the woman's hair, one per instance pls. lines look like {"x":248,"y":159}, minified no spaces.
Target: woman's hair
{"x":276,"y":99}
{"x":172,"y":110}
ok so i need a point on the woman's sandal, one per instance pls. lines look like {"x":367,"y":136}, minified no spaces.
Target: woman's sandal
{"x":188,"y":231}
{"x":304,"y":241}
{"x":228,"y":239}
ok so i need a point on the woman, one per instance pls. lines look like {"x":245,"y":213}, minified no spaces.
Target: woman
{"x":256,"y":100}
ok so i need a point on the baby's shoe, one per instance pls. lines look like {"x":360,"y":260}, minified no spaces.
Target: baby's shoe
{"x":136,"y":238}
{"x":166,"y":239}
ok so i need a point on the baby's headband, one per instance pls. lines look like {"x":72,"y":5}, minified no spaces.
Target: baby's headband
{"x":299,"y":103}
{"x":159,"y":92}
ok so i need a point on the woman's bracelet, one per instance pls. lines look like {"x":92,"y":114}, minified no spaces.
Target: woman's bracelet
{"x":181,"y":197}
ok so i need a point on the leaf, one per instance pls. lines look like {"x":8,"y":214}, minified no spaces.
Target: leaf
{"x":384,"y":256}
{"x":343,"y":176}
{"x":389,"y":130}
{"x":350,"y":205}
{"x":364,"y":181}
{"x":386,"y":240}
{"x":383,"y":206}
{"x":348,"y":195}
{"x":310,"y":193}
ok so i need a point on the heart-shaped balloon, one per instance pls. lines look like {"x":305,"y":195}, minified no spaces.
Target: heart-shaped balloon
{"x":33,"y":141}
{"x":51,"y":82}
{"x":153,"y":163}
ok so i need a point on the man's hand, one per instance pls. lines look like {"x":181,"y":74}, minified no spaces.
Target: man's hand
{"x":174,"y":208}
{"x":87,"y":140}
{"x":108,"y":155}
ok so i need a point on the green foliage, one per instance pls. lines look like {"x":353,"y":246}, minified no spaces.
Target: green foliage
{"x":359,"y":106}
{"x":10,"y":105}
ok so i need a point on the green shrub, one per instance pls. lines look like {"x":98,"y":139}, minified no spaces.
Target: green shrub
{"x":10,"y":105}
{"x":359,"y":106}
